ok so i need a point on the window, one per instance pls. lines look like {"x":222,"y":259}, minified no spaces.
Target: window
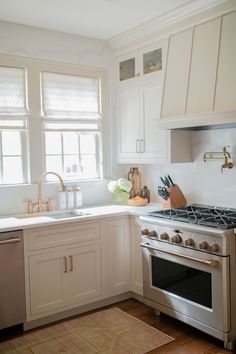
{"x":53,"y":116}
{"x":72,"y":125}
{"x":13,"y":125}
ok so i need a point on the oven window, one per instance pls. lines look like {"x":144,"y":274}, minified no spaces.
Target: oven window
{"x":189,"y":283}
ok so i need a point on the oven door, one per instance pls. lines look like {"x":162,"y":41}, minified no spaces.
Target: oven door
{"x":190,"y":282}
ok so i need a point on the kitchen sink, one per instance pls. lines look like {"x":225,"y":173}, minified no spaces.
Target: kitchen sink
{"x":54,"y":215}
{"x":65,"y":215}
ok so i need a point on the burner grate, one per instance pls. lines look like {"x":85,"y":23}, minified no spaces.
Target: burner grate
{"x":201,"y":215}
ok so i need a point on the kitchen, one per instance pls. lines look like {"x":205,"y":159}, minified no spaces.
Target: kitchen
{"x":156,"y":152}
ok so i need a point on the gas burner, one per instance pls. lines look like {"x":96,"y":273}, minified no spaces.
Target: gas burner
{"x":202,"y":215}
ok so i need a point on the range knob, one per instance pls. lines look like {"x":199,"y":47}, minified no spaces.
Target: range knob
{"x":176,"y":238}
{"x":203,"y":245}
{"x":189,"y":242}
{"x":153,"y":233}
{"x":214,"y":247}
{"x":145,"y":232}
{"x":165,"y":236}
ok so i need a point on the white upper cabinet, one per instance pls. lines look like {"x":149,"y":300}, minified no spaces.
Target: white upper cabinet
{"x":129,"y":124}
{"x":154,"y":142}
{"x":177,"y":71}
{"x":225,"y":99}
{"x":139,"y":137}
{"x":202,"y":78}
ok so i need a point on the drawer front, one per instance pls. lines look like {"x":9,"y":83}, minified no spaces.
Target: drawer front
{"x":51,"y":236}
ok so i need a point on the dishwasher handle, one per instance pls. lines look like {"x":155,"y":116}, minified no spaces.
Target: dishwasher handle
{"x":9,"y":241}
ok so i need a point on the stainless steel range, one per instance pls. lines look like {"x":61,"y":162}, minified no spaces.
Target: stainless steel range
{"x":189,"y":267}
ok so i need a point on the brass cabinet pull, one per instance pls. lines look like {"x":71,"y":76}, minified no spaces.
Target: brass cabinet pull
{"x":71,"y":263}
{"x":65,"y":264}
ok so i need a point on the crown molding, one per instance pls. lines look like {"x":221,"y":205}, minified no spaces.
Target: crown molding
{"x":162,"y":22}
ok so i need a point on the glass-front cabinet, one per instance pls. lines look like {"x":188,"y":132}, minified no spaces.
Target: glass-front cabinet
{"x":127,"y":69}
{"x":152,"y":61}
{"x":140,"y":64}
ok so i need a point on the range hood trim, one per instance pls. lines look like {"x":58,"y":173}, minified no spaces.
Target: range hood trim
{"x":222,"y":120}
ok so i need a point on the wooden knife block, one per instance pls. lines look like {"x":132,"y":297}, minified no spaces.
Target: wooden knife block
{"x":176,"y":198}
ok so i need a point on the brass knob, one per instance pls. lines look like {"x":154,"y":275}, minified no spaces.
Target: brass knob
{"x":176,"y":238}
{"x":165,"y":237}
{"x":153,"y":233}
{"x":203,"y":245}
{"x":214,"y":247}
{"x":189,"y":242}
{"x":145,"y":232}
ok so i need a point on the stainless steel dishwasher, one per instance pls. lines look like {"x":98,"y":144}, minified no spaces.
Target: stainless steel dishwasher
{"x":12,"y":283}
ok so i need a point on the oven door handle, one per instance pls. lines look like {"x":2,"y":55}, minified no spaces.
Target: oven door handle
{"x":211,"y":262}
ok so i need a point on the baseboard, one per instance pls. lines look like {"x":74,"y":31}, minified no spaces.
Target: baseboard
{"x":77,"y":311}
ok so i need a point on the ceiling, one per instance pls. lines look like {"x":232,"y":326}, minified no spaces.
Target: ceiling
{"x":102,"y":19}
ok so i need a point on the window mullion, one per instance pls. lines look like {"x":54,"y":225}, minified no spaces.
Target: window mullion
{"x":98,"y":154}
{"x":80,"y":160}
{"x":24,"y":157}
{"x":62,"y":154}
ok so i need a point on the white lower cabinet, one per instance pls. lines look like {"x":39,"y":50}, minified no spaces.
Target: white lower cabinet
{"x":136,"y":257}
{"x":60,"y":279}
{"x":85,"y":273}
{"x":47,"y":282}
{"x":63,"y":267}
{"x":118,"y":256}
{"x":75,"y":264}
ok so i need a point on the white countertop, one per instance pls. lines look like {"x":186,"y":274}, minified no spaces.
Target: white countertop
{"x":25,"y":221}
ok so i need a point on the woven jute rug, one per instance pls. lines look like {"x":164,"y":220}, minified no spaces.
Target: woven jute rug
{"x":105,"y":332}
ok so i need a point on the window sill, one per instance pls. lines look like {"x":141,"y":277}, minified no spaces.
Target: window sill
{"x":68,"y":183}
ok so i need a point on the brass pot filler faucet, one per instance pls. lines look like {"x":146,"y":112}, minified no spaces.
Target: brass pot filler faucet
{"x":219,"y":155}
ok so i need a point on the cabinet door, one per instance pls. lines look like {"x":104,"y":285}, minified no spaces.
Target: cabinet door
{"x":84,"y":266}
{"x":118,"y":256}
{"x":136,"y":257}
{"x":177,"y":73}
{"x":154,"y":145}
{"x":129,"y":112}
{"x":47,"y":279}
{"x":225,"y":99}
{"x":202,"y":77}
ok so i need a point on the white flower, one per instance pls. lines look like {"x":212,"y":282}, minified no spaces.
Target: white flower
{"x":120,"y":186}
{"x":112,"y":186}
{"x":124,"y":184}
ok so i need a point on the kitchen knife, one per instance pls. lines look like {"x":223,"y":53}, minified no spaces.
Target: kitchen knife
{"x":171,"y":181}
{"x":161,"y":193}
{"x":165,"y":193}
{"x":167,"y":182}
{"x":163,"y":181}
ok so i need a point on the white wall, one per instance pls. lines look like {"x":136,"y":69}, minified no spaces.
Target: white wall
{"x":39,"y":43}
{"x":202,"y":182}
{"x":36,"y":42}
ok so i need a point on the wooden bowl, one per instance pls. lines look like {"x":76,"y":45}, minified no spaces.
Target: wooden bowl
{"x":137,"y":202}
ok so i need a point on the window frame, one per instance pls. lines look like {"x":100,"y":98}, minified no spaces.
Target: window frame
{"x":23,"y":130}
{"x":34,"y":159}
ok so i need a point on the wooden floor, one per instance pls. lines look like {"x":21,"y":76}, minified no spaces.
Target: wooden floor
{"x":187,"y":339}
